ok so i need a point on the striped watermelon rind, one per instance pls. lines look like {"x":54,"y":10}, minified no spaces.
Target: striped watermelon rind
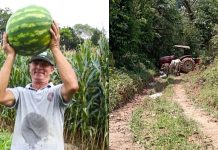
{"x":28,"y":30}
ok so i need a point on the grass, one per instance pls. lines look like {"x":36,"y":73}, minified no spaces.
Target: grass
{"x":202,"y":86}
{"x":5,"y":140}
{"x":163,"y":126}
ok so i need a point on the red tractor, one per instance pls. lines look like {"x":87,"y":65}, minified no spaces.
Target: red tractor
{"x":187,"y":61}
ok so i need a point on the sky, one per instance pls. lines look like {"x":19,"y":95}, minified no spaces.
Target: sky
{"x":95,"y":13}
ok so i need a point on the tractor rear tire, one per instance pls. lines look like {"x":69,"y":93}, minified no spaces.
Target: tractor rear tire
{"x":187,"y":65}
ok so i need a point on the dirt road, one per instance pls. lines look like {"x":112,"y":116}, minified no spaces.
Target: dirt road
{"x":207,"y":124}
{"x":120,"y":136}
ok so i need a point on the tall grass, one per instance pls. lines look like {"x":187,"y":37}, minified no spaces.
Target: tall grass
{"x":86,"y":120}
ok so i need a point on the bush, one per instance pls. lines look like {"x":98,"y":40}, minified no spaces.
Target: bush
{"x":125,"y":84}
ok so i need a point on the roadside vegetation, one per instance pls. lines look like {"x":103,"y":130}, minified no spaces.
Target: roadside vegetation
{"x":202,"y":87}
{"x":124,"y":85}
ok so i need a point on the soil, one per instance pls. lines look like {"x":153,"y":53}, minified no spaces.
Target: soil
{"x":121,"y":137}
{"x":207,"y":124}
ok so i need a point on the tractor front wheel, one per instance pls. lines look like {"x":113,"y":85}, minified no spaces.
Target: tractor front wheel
{"x":187,"y":65}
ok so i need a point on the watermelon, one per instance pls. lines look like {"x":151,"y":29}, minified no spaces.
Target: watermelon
{"x":28,"y":30}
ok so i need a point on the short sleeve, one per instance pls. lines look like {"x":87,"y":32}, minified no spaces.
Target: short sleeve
{"x":62,"y":102}
{"x":16,"y":93}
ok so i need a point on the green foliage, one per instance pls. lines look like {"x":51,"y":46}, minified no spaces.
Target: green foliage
{"x":206,"y":18}
{"x":209,"y":94}
{"x":191,"y":36}
{"x":72,"y":37}
{"x":66,"y":38}
{"x":5,"y":140}
{"x":20,"y":73}
{"x":19,"y":77}
{"x":147,"y":29}
{"x":119,"y":89}
{"x":88,"y":32}
{"x":69,"y":39}
{"x":87,"y":118}
{"x":124,"y":85}
{"x":96,"y":36}
{"x":214,"y":40}
{"x":204,"y":86}
{"x":168,"y":29}
{"x":4,"y":16}
{"x":84,"y":31}
{"x":120,"y":29}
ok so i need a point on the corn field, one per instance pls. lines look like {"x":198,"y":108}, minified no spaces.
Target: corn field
{"x":86,"y":120}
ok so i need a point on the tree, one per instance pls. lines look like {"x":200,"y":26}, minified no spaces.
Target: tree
{"x":83,"y":31}
{"x":121,"y":30}
{"x":96,"y":36}
{"x":4,"y":16}
{"x":69,"y":39}
{"x":188,"y":6}
{"x":206,"y":19}
{"x":143,"y":31}
{"x":88,"y":32}
{"x":66,"y":38}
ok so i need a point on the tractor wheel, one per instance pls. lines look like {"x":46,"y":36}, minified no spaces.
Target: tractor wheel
{"x":187,"y":65}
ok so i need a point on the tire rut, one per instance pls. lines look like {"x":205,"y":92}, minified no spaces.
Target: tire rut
{"x":207,"y":124}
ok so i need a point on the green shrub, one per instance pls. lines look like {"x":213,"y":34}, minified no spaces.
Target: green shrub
{"x":124,"y":85}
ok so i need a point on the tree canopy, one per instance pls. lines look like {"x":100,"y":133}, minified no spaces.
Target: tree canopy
{"x":143,"y":31}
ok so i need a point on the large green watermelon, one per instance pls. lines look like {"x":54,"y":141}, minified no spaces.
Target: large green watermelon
{"x":28,"y":30}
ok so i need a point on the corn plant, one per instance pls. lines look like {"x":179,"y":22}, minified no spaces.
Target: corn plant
{"x":104,"y":80}
{"x":18,"y":77}
{"x":87,"y":118}
{"x":20,"y":74}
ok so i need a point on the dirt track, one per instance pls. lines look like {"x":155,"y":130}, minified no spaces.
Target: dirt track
{"x":207,"y":124}
{"x":121,"y":138}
